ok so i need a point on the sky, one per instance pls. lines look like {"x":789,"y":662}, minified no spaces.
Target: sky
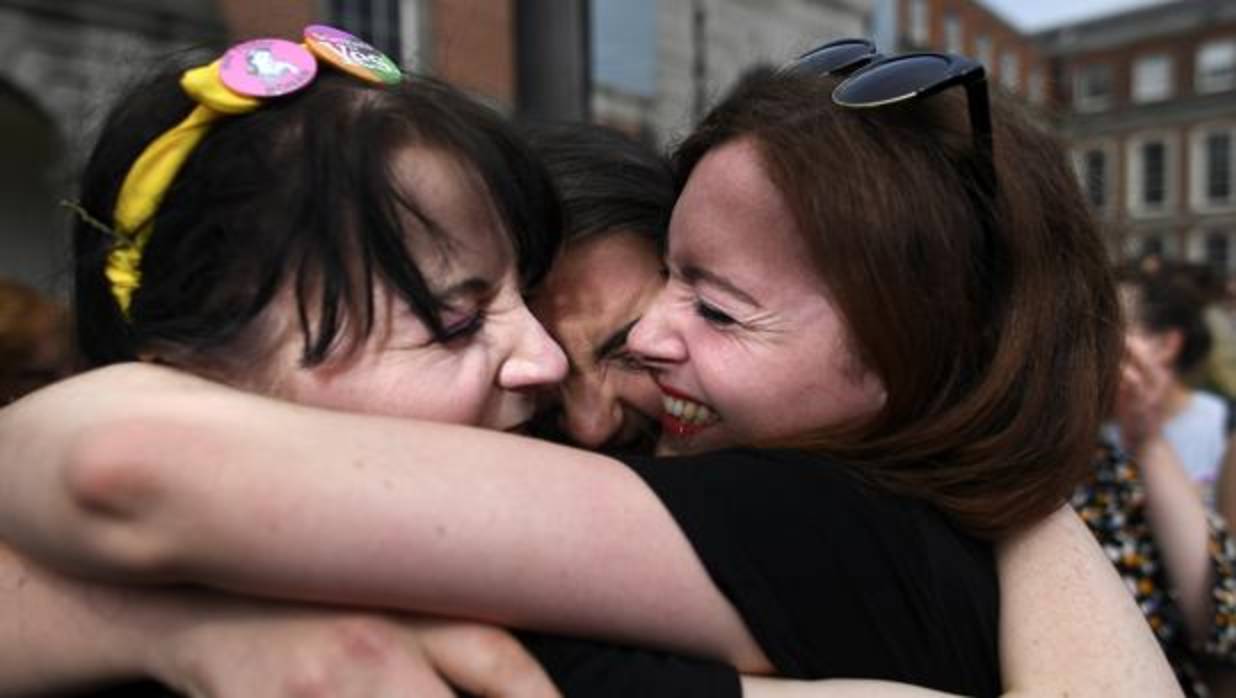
{"x":1032,"y":15}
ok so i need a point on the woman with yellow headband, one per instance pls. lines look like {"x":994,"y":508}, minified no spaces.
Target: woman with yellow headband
{"x":332,"y":233}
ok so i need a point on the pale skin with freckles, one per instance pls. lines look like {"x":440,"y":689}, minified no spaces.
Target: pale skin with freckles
{"x":618,"y":567}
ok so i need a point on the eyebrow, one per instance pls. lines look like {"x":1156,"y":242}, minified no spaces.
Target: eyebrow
{"x":695,"y":274}
{"x":474,"y":286}
{"x":616,"y":341}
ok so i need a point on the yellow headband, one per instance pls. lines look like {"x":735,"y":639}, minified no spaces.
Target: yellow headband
{"x":150,"y":176}
{"x":153,"y":172}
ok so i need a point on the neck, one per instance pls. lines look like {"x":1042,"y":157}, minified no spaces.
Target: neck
{"x":1177,"y":398}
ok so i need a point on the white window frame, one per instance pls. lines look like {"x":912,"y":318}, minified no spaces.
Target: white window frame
{"x":1216,"y":51}
{"x":1152,"y":78}
{"x":1088,"y":103}
{"x":1199,"y":167}
{"x":1010,"y":70}
{"x":920,"y":22}
{"x":1111,"y":171}
{"x":985,"y":51}
{"x":1199,"y":241}
{"x":1036,"y":90}
{"x":954,"y":34}
{"x":1137,"y":208}
{"x":1135,"y":243}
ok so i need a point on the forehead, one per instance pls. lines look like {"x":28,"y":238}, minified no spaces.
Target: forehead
{"x":454,"y":220}
{"x":731,"y":219}
{"x":596,"y":286}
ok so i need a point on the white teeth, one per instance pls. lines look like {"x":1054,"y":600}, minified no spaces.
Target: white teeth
{"x":688,"y":411}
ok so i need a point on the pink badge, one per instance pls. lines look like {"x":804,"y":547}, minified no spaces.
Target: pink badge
{"x":267,"y":68}
{"x":351,"y":54}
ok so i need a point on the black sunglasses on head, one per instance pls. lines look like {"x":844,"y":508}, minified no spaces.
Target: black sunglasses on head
{"x":875,"y":80}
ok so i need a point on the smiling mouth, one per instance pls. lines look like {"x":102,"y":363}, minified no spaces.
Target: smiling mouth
{"x":684,"y":417}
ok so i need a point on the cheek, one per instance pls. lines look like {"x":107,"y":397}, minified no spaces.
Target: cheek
{"x":639,"y":391}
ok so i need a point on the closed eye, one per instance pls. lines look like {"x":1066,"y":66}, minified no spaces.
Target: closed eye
{"x":713,"y":316}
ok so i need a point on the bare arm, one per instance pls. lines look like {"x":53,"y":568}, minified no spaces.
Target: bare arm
{"x":60,"y":634}
{"x":176,"y":483}
{"x":594,"y":535}
{"x":1068,"y":626}
{"x":1174,"y":507}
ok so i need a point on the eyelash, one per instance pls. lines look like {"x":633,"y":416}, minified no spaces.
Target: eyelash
{"x":463,"y":329}
{"x":713,"y":316}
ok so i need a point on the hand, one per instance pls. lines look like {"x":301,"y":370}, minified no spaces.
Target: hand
{"x":1140,"y":399}
{"x":276,"y":651}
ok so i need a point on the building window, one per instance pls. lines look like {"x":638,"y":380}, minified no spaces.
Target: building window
{"x":1154,"y":174}
{"x":1010,"y":69}
{"x":919,"y":22}
{"x":1219,"y":166}
{"x":1151,"y":174}
{"x":1217,"y":251}
{"x":1094,"y":177}
{"x":1152,"y":245}
{"x":1152,"y":78}
{"x":1216,"y":66}
{"x":983,"y":51}
{"x":1037,"y":89}
{"x":953,"y":40}
{"x":1093,"y":87}
{"x":1212,"y":157}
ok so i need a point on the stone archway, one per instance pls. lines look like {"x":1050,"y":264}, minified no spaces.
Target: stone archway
{"x":32,"y":243}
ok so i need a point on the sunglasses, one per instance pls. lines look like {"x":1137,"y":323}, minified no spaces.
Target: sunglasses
{"x":875,"y":80}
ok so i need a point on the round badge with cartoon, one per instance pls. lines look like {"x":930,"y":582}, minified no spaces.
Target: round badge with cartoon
{"x":351,"y":54}
{"x":267,"y":68}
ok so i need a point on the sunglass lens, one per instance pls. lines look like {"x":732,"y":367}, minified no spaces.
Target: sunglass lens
{"x":835,"y":56}
{"x":893,"y":79}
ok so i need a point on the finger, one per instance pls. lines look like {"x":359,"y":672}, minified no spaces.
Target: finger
{"x":486,"y":662}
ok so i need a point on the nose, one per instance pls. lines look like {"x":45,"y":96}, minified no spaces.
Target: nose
{"x":655,"y":338}
{"x":535,"y":358}
{"x":591,"y":415}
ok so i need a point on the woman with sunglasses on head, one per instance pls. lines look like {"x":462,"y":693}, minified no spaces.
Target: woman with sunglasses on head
{"x":894,"y":334}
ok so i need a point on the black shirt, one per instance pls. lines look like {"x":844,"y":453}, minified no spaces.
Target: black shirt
{"x":835,"y":578}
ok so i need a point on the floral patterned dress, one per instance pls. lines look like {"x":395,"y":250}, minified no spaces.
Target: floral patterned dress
{"x":1112,"y":503}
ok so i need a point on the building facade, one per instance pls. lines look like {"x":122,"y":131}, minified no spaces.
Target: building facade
{"x":1148,"y":105}
{"x":68,"y":59}
{"x":1145,"y":99}
{"x":658,"y":64}
{"x":1013,"y":61}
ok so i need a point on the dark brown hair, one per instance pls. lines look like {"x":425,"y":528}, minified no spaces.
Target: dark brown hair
{"x":993,"y":325}
{"x":299,"y":194}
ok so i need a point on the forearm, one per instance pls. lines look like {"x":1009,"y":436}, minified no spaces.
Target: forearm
{"x":1068,"y":626}
{"x":1177,"y":518}
{"x":189,"y":482}
{"x":58,"y":634}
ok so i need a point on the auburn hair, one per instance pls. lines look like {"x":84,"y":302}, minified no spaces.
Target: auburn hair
{"x":991,"y":319}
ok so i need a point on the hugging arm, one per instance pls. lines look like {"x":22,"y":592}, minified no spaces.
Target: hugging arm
{"x":60,"y":635}
{"x":369,"y":510}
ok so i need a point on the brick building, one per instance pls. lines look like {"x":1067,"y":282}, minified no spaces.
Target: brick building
{"x":1013,"y":60}
{"x":1148,"y":103}
{"x":1146,"y":100}
{"x":66,"y":60}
